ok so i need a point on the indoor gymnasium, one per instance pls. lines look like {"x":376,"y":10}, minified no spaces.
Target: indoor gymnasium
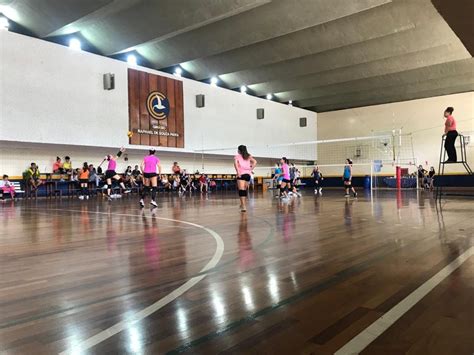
{"x":236,"y":177}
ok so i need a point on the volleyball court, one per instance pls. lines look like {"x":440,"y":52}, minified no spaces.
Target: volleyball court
{"x":384,"y":160}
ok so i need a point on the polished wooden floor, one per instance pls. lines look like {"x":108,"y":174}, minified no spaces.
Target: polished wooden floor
{"x":295,"y":278}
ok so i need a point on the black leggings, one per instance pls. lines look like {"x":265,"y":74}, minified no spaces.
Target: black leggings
{"x":449,"y":145}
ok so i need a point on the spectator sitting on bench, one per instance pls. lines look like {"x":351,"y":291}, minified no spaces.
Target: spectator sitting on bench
{"x":67,"y":166}
{"x":32,"y":177}
{"x":176,"y":169}
{"x":127,"y":176}
{"x":176,"y":182}
{"x":136,"y":176}
{"x":7,"y":187}
{"x":75,"y":175}
{"x":58,"y":166}
{"x":165,"y":182}
{"x":93,"y":176}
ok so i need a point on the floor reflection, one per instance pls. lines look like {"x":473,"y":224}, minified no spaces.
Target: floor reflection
{"x":246,"y":253}
{"x":151,"y":240}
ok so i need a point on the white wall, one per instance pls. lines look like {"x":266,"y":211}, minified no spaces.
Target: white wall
{"x":422,"y":118}
{"x":51,"y":94}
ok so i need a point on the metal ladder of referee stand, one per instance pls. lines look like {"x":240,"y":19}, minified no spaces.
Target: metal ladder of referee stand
{"x":442,"y":159}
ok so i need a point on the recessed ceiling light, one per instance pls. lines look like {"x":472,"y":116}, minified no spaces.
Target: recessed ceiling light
{"x":214,"y":81}
{"x":178,"y":71}
{"x":75,"y":44}
{"x":131,"y":59}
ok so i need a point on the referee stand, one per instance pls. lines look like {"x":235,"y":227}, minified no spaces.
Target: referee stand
{"x":443,"y":163}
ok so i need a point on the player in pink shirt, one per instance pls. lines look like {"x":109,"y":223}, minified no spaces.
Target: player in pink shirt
{"x":149,"y":168}
{"x":244,"y":163}
{"x":285,"y":185}
{"x":286,"y":182}
{"x":110,"y":173}
{"x":451,"y":135}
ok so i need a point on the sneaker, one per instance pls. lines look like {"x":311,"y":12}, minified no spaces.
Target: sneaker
{"x":243,"y":209}
{"x":87,"y":197}
{"x":142,"y":203}
{"x":315,"y":191}
{"x":153,"y":203}
{"x":320,"y":192}
{"x":105,"y":187}
{"x":81,"y":197}
{"x":347,"y":195}
{"x":355,"y":194}
{"x":127,"y":191}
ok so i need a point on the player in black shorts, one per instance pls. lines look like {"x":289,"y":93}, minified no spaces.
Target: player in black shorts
{"x":244,"y":163}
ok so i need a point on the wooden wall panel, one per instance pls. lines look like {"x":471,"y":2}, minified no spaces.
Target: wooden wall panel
{"x":170,"y":89}
{"x":179,"y":112}
{"x":147,"y":129}
{"x":153,"y":86}
{"x":163,"y":140}
{"x":134,"y":111}
{"x":144,"y":116}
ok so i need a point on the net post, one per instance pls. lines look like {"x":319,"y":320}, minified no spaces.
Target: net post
{"x":371,"y":178}
{"x":399,"y":177}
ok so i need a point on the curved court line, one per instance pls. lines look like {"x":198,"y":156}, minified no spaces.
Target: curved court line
{"x":140,"y":315}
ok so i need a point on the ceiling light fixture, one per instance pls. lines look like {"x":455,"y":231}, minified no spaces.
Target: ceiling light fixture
{"x":269,"y":96}
{"x":214,"y":81}
{"x":75,"y":44}
{"x":178,"y":71}
{"x":131,"y":59}
{"x":243,"y":89}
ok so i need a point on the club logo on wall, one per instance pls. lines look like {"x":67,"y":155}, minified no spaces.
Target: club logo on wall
{"x":156,"y":115}
{"x":158,"y":105}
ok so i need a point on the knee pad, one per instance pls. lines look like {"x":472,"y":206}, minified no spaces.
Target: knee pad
{"x":242,"y":193}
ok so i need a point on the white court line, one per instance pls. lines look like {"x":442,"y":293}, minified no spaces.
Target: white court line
{"x":372,"y":332}
{"x":138,"y":316}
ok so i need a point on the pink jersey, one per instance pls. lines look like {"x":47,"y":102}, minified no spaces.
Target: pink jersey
{"x":243,"y":166}
{"x":149,"y":164}
{"x":112,"y":165}
{"x":286,"y":171}
{"x":450,"y":123}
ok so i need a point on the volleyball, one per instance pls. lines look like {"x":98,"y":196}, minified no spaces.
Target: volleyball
{"x":129,"y":134}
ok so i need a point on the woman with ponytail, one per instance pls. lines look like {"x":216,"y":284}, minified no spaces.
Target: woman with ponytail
{"x":244,"y":163}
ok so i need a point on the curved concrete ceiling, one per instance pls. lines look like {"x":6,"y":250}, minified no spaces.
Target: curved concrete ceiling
{"x":325,"y":55}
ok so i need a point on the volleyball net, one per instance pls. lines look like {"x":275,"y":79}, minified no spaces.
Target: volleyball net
{"x":376,"y":156}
